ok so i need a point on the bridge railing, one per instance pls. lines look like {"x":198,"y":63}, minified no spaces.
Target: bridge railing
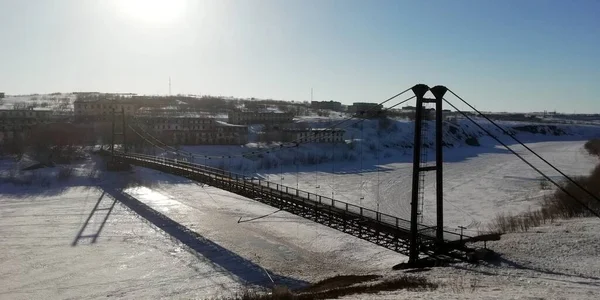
{"x":363,"y":212}
{"x":352,"y":208}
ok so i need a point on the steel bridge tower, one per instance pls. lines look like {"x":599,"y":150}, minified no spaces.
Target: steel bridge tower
{"x":419,"y":170}
{"x":115,"y":164}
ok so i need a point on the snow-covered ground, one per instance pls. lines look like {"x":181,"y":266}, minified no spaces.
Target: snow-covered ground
{"x":73,"y":240}
{"x":47,"y":246}
{"x":477,"y":184}
{"x":57,"y":102}
{"x":185,"y":240}
{"x":375,"y":171}
{"x":556,"y":261}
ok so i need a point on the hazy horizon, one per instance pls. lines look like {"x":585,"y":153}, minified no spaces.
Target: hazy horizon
{"x":500,"y":56}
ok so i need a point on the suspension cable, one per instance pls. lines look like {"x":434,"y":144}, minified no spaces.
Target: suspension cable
{"x":524,"y":160}
{"x":362,"y":180}
{"x":151,"y":143}
{"x":529,"y":149}
{"x":150,"y":135}
{"x":317,"y":135}
{"x":378,"y":163}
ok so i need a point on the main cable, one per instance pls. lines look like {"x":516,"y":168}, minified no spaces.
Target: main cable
{"x":529,"y":149}
{"x":524,"y":160}
{"x":151,"y":143}
{"x":315,"y":135}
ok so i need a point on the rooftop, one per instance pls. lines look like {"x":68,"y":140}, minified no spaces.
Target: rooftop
{"x":175,"y":114}
{"x":45,"y":109}
{"x":313,"y":129}
{"x":263,"y":111}
{"x":221,"y":123}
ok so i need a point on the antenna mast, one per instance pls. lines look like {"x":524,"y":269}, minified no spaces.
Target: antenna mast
{"x":169,"y":85}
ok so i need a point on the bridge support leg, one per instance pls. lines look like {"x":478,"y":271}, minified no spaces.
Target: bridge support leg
{"x":419,"y":90}
{"x":438,"y":92}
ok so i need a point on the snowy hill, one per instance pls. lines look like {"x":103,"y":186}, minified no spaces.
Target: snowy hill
{"x":55,"y":102}
{"x":383,"y":140}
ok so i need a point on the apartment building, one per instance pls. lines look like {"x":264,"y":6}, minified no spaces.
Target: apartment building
{"x":330,"y":105}
{"x":255,"y":117}
{"x":20,"y":121}
{"x":192,"y":129}
{"x":365,"y":109}
{"x":314,"y":135}
{"x":100,"y":107}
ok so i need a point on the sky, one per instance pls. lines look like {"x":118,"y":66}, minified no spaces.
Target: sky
{"x":509,"y":55}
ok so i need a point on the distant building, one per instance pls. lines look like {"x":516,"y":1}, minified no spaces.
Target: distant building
{"x":100,"y":107}
{"x":408,"y":108}
{"x":253,"y":117}
{"x":20,"y":121}
{"x":330,"y":105}
{"x":1,"y":95}
{"x":365,"y":109}
{"x":314,"y":135}
{"x":190,"y":129}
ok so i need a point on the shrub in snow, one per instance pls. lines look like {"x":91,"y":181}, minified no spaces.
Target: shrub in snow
{"x":64,"y":173}
{"x":593,"y":147}
{"x":472,"y":141}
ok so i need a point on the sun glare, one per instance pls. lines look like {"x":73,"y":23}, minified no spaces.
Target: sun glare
{"x":152,"y":11}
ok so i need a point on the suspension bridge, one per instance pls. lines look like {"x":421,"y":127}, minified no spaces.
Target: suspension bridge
{"x":411,"y":236}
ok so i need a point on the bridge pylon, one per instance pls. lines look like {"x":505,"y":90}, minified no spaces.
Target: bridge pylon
{"x":115,"y":164}
{"x":420,"y":167}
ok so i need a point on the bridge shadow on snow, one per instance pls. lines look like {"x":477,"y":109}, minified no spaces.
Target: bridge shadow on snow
{"x":244,"y":269}
{"x":502,"y":261}
{"x":39,"y":189}
{"x":44,"y":182}
{"x":103,"y":212}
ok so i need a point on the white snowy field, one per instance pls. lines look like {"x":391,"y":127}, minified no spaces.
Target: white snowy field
{"x":555,"y":261}
{"x":479,"y":182}
{"x":64,"y":241}
{"x":276,"y":240}
{"x":168,"y":237}
{"x":57,"y":102}
{"x":41,"y":256}
{"x":374,"y":167}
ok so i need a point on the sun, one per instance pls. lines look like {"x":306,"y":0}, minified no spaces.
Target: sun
{"x":152,"y":11}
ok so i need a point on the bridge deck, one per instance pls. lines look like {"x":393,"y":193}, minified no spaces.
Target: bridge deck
{"x":379,"y":228}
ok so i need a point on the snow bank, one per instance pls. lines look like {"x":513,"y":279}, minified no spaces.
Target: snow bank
{"x":379,"y":141}
{"x":56,"y":102}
